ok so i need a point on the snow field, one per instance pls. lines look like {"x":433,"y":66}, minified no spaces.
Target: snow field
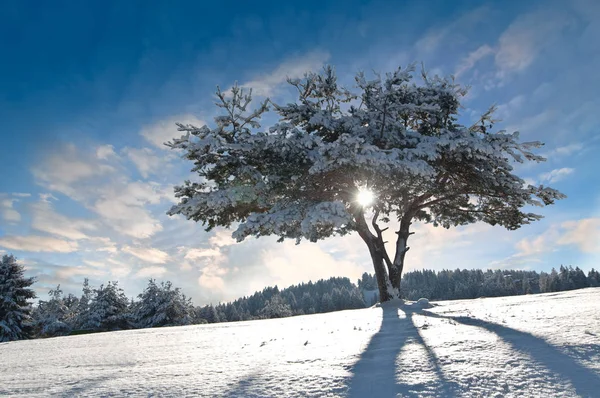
{"x":545,"y":345}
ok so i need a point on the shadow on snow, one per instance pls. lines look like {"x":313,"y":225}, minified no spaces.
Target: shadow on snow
{"x":375,"y":373}
{"x":585,"y":381}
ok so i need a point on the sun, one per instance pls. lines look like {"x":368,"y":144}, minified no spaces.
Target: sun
{"x":365,"y":197}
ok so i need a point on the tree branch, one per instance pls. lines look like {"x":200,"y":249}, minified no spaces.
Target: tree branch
{"x":379,"y":238}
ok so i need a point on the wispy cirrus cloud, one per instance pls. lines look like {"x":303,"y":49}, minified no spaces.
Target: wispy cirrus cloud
{"x":435,"y":38}
{"x":520,"y":43}
{"x":556,"y":174}
{"x":472,"y":58}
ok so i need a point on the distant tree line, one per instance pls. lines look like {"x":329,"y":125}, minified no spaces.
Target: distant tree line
{"x":160,"y":304}
{"x":468,"y":284}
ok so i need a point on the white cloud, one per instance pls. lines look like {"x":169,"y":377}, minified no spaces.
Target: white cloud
{"x":130,"y":219}
{"x":585,"y":234}
{"x":289,"y":264}
{"x":66,"y":272}
{"x":267,"y":84}
{"x":45,"y":219}
{"x":62,"y":170}
{"x":436,"y":37}
{"x":151,"y":272}
{"x":470,"y":60}
{"x":105,"y":187}
{"x":505,"y":111}
{"x":148,"y":254}
{"x":565,"y":150}
{"x":105,"y":151}
{"x":45,"y":197}
{"x":145,"y":160}
{"x":9,"y":214}
{"x":537,"y":245}
{"x":529,"y":34}
{"x":118,"y":268}
{"x":194,"y":254}
{"x":211,"y":280}
{"x":221,"y":237}
{"x":33,"y":243}
{"x":556,"y":174}
{"x":165,"y":130}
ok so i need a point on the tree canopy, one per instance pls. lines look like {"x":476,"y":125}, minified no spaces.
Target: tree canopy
{"x":395,"y":137}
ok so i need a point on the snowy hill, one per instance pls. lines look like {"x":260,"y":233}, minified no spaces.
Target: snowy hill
{"x":545,"y":345}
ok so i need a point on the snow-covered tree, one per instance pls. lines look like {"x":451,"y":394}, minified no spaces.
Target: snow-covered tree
{"x":53,"y":317}
{"x":276,"y":307}
{"x":593,"y":278}
{"x":340,"y":161}
{"x":209,"y":313}
{"x":82,"y":312}
{"x":108,"y":309}
{"x":162,"y":305}
{"x":15,"y":309}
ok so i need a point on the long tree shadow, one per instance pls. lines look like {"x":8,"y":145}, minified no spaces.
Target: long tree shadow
{"x":375,"y":373}
{"x":585,"y":381}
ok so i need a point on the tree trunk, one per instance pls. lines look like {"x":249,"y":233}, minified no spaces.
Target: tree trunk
{"x":387,"y":290}
{"x":383,"y":281}
{"x":401,"y":249}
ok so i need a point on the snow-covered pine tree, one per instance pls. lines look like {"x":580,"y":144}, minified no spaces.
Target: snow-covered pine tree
{"x":15,"y":309}
{"x":52,"y":317}
{"x":82,"y":311}
{"x":593,"y":278}
{"x":209,"y":313}
{"x":163,"y":305}
{"x":108,"y":309}
{"x":338,"y":162}
{"x":276,"y":307}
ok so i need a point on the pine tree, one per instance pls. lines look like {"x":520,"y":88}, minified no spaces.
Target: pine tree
{"x":579,"y":279}
{"x":163,"y":305}
{"x":82,"y":313}
{"x":109,"y":308}
{"x":593,"y":278}
{"x":209,"y":313}
{"x":15,"y":309}
{"x":276,"y":307}
{"x":52,"y":317}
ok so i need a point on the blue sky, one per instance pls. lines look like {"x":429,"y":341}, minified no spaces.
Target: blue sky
{"x":90,"y":90}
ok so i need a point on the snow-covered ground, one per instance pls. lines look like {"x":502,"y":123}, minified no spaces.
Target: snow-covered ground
{"x":544,"y":345}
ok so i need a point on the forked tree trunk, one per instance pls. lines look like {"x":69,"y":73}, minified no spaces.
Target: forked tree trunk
{"x":381,"y":274}
{"x":387,"y":273}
